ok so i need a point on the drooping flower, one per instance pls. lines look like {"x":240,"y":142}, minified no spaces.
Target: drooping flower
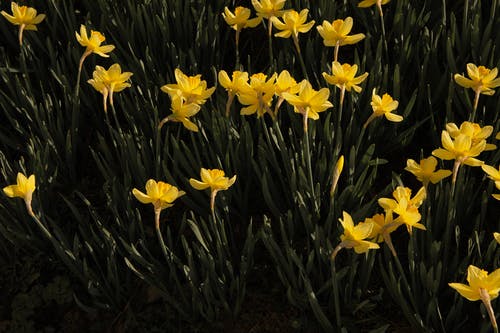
{"x":292,"y":23}
{"x":161,"y":195}
{"x":425,"y":170}
{"x":337,"y":32}
{"x":482,"y":81}
{"x":214,"y":179}
{"x":268,"y":8}
{"x":493,"y":174}
{"x":309,"y":102}
{"x":354,"y":237}
{"x":344,"y":77}
{"x":405,"y":206}
{"x":383,"y":226}
{"x":383,"y":106}
{"x":257,"y":95}
{"x":23,"y":189}
{"x":181,"y":112}
{"x":473,"y":130}
{"x":109,"y":81}
{"x":25,"y":17}
{"x":482,"y":286}
{"x":190,"y":88}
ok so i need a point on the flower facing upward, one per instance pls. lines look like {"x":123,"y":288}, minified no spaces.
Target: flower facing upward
{"x":337,"y":33}
{"x":482,"y":80}
{"x":405,"y":206}
{"x":268,"y":8}
{"x":109,"y":81}
{"x":286,"y":83}
{"x":482,"y":286}
{"x":493,"y":174}
{"x":354,"y":236}
{"x":383,"y":106}
{"x":181,"y":112}
{"x":460,"y":149}
{"x":472,"y":130}
{"x":292,"y":23}
{"x":190,"y":88}
{"x":369,"y":3}
{"x":23,"y":189}
{"x":425,"y":171}
{"x":344,"y":77}
{"x":214,"y":179}
{"x":93,"y":43}
{"x":240,"y":18}
{"x":23,"y":16}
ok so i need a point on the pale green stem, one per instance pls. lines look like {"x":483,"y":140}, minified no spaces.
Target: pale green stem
{"x":308,"y":160}
{"x":485,"y":297}
{"x":168,"y":257}
{"x":336,"y":52}
{"x":381,"y":12}
{"x":21,"y":29}
{"x":476,"y":102}
{"x":229,"y":102}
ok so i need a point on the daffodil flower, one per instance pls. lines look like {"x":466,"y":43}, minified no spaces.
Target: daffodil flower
{"x":383,"y":106}
{"x":425,"y":170}
{"x":472,"y":130}
{"x":309,"y":102}
{"x":354,"y":237}
{"x":109,"y":81}
{"x":160,"y":194}
{"x":482,"y":286}
{"x":494,"y":175}
{"x":25,"y":17}
{"x":214,"y":179}
{"x":496,"y":235}
{"x":285,"y":83}
{"x":181,"y":112}
{"x":482,"y":81}
{"x":344,"y":77}
{"x":257,"y":95}
{"x":190,"y":88}
{"x":461,"y":150}
{"x":336,"y":34}
{"x":23,"y":189}
{"x":269,"y":8}
{"x":383,"y":226}
{"x":233,"y":86}
{"x":405,"y":206}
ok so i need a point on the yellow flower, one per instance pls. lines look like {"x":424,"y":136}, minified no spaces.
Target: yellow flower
{"x":493,"y":174}
{"x":286,"y":83}
{"x":383,"y":226}
{"x":293,"y":23}
{"x":109,"y":81}
{"x":257,"y":95}
{"x":482,"y":80}
{"x":482,"y":286}
{"x":235,"y":85}
{"x":190,"y":88}
{"x":181,"y":111}
{"x":354,"y":236}
{"x":240,"y":18}
{"x":405,"y":206}
{"x":383,"y":106}
{"x":23,"y":189}
{"x":369,"y":3}
{"x":337,"y":34}
{"x":93,"y":44}
{"x":309,"y":102}
{"x":344,"y":77}
{"x":339,"y":166}
{"x":425,"y":170}
{"x":160,"y":194}
{"x":474,"y":131}
{"x":496,"y":235}
{"x":268,"y":8}
{"x":215,"y":180}
{"x":23,"y":16}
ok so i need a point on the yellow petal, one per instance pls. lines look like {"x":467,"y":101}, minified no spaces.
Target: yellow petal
{"x":466,"y":291}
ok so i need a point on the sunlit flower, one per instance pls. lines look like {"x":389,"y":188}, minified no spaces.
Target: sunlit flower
{"x":292,"y":23}
{"x":268,"y":8}
{"x":284,"y":83}
{"x":383,"y":226}
{"x":23,"y":189}
{"x":257,"y":95}
{"x":493,"y":174}
{"x":160,"y":194}
{"x":461,"y":150}
{"x":337,"y":34}
{"x":405,"y":206}
{"x":482,"y":81}
{"x":309,"y":102}
{"x":109,"y":81}
{"x":192,"y":89}
{"x":473,"y":130}
{"x":233,"y":86}
{"x":425,"y":171}
{"x":181,"y":112}
{"x":354,"y":237}
{"x":240,"y":18}
{"x":214,"y":179}
{"x":344,"y":77}
{"x":25,"y":17}
{"x":383,"y":106}
{"x":482,"y":286}
{"x":93,"y":43}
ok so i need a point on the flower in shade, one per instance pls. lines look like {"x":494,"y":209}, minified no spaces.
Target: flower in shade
{"x":160,"y":194}
{"x":354,"y":236}
{"x":405,"y":206}
{"x":181,"y":112}
{"x":214,"y":179}
{"x":473,"y":130}
{"x":494,"y":175}
{"x":292,"y":23}
{"x":496,"y":235}
{"x":190,"y":88}
{"x":109,"y":81}
{"x":425,"y":170}
{"x":268,"y":8}
{"x":369,"y":3}
{"x":383,"y":226}
{"x":482,"y":286}
{"x":309,"y":102}
{"x":93,"y":42}
{"x":24,"y":189}
{"x":383,"y":106}
{"x":23,"y":16}
{"x":240,"y":18}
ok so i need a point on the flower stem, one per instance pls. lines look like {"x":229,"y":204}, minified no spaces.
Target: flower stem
{"x":381,"y":12}
{"x":21,"y":29}
{"x":229,"y":102}
{"x":238,"y":67}
{"x":485,"y":297}
{"x":270,"y":38}
{"x":336,"y":297}
{"x":168,"y":257}
{"x":476,"y":102}
{"x":307,"y":152}
{"x":336,"y":52}
{"x":302,"y":64}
